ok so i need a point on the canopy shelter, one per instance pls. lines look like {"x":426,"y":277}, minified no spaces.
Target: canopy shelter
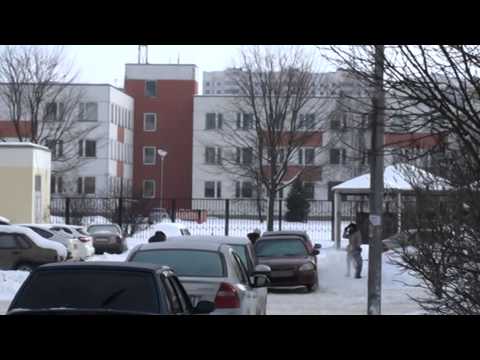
{"x":398,"y":179}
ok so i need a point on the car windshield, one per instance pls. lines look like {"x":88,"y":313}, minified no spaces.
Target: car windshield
{"x":195,"y":263}
{"x":185,"y":232}
{"x":280,"y":248}
{"x":43,"y":233}
{"x":241,"y":250}
{"x":90,"y":289}
{"x":102,"y":228}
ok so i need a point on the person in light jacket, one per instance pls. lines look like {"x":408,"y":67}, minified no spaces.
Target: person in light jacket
{"x":354,"y":249}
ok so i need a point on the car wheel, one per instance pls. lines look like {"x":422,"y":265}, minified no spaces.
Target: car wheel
{"x":25,"y":267}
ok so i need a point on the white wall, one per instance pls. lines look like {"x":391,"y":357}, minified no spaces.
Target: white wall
{"x":160,"y":72}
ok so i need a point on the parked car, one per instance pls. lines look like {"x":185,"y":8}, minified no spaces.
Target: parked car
{"x":209,"y":272}
{"x":23,"y":249}
{"x":244,"y":248}
{"x":171,"y":229}
{"x":107,"y":238}
{"x":158,"y":215}
{"x":4,"y":221}
{"x":77,"y":250}
{"x":86,"y":248}
{"x":303,"y":234}
{"x":104,"y":288}
{"x":292,"y":262}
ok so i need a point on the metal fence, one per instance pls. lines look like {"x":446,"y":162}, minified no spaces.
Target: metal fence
{"x":201,"y":216}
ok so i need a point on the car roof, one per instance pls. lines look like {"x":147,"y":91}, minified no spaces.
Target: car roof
{"x":40,"y":226}
{"x":220,"y":239}
{"x":285,"y":232}
{"x":113,"y":265}
{"x":282,"y":236}
{"x":180,"y":243}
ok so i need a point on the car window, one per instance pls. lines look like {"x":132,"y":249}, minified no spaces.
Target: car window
{"x":241,"y":269}
{"x":90,"y":289}
{"x":102,"y":228}
{"x":173,"y":297}
{"x":7,"y":241}
{"x":280,"y":248}
{"x":23,"y":241}
{"x":43,"y":233}
{"x":184,"y":298}
{"x":185,"y":232}
{"x":205,"y":264}
{"x":67,"y":230}
{"x":241,"y":250}
{"x":82,"y":231}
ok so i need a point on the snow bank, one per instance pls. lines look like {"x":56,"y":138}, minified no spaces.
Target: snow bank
{"x":90,"y":220}
{"x":37,"y":239}
{"x":10,"y":282}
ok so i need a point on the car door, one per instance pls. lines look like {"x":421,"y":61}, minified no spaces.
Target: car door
{"x":10,"y":251}
{"x":182,"y":295}
{"x":263,"y":291}
{"x":251,"y":296}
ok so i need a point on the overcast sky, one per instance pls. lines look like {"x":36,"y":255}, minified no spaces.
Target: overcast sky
{"x":106,"y":63}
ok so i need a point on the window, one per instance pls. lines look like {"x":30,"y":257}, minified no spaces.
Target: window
{"x":213,"y":121}
{"x":89,"y":183}
{"x":210,"y":155}
{"x":335,"y":124}
{"x":344,"y":156}
{"x":244,"y":156}
{"x":219,"y":121}
{"x":149,"y":122}
{"x":56,"y":148}
{"x":38,"y":183}
{"x":51,"y":112}
{"x":87,"y":148}
{"x":247,"y":123}
{"x":247,"y":155}
{"x":241,"y":272}
{"x":309,"y":156}
{"x":209,"y":189}
{"x":88,"y":111}
{"x":148,"y":188}
{"x":309,"y":189}
{"x":309,"y":121}
{"x":7,"y":241}
{"x":149,"y":155}
{"x":334,"y":156}
{"x":79,"y":185}
{"x":247,"y":189}
{"x":207,"y":83}
{"x":219,"y":189}
{"x":90,"y":148}
{"x":176,"y":307}
{"x":150,"y":88}
{"x":56,"y":184}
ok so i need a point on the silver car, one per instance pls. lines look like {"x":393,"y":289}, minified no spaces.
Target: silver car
{"x":244,"y":248}
{"x":209,"y":271}
{"x":107,"y":238}
{"x":53,"y":233}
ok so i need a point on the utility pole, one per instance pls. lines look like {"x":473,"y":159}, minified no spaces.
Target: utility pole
{"x":376,"y":188}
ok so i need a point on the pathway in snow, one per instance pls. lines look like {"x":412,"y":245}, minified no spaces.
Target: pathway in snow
{"x":341,"y":295}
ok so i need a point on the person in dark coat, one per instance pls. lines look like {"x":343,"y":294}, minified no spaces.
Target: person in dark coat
{"x":254,"y":236}
{"x":158,"y":237}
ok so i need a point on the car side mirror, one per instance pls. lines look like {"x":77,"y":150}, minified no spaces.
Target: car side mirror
{"x":204,"y":307}
{"x":260,"y":281}
{"x":262,"y":270}
{"x":315,"y":252}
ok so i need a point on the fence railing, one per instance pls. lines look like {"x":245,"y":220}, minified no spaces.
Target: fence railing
{"x":201,"y":216}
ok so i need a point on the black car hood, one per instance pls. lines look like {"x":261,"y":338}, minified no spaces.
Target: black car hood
{"x":75,"y":312}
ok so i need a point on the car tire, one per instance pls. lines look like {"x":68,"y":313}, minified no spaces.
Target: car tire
{"x":313,"y":287}
{"x":25,"y":267}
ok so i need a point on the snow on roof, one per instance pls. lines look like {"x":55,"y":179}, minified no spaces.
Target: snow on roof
{"x":37,"y":239}
{"x":23,"y":144}
{"x":401,"y":177}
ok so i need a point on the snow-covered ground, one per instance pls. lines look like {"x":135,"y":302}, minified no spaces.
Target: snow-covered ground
{"x":337,"y":294}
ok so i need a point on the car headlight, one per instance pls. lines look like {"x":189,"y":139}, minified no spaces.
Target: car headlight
{"x":307,"y":267}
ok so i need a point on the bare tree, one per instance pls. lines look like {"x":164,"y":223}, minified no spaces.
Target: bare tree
{"x":39,"y":98}
{"x":437,"y":89}
{"x":277,"y":114}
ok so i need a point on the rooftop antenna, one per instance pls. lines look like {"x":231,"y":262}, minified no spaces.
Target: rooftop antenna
{"x":143,"y":54}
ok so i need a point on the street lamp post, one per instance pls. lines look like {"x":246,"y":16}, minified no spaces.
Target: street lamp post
{"x":162,"y":154}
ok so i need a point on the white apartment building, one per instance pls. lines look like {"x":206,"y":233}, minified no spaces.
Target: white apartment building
{"x":326,"y":159}
{"x":94,"y":156}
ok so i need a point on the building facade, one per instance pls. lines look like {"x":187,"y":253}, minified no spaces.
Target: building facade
{"x":92,"y":153}
{"x":163,"y":96}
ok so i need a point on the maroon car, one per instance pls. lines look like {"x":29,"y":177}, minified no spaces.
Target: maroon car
{"x":292,"y":261}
